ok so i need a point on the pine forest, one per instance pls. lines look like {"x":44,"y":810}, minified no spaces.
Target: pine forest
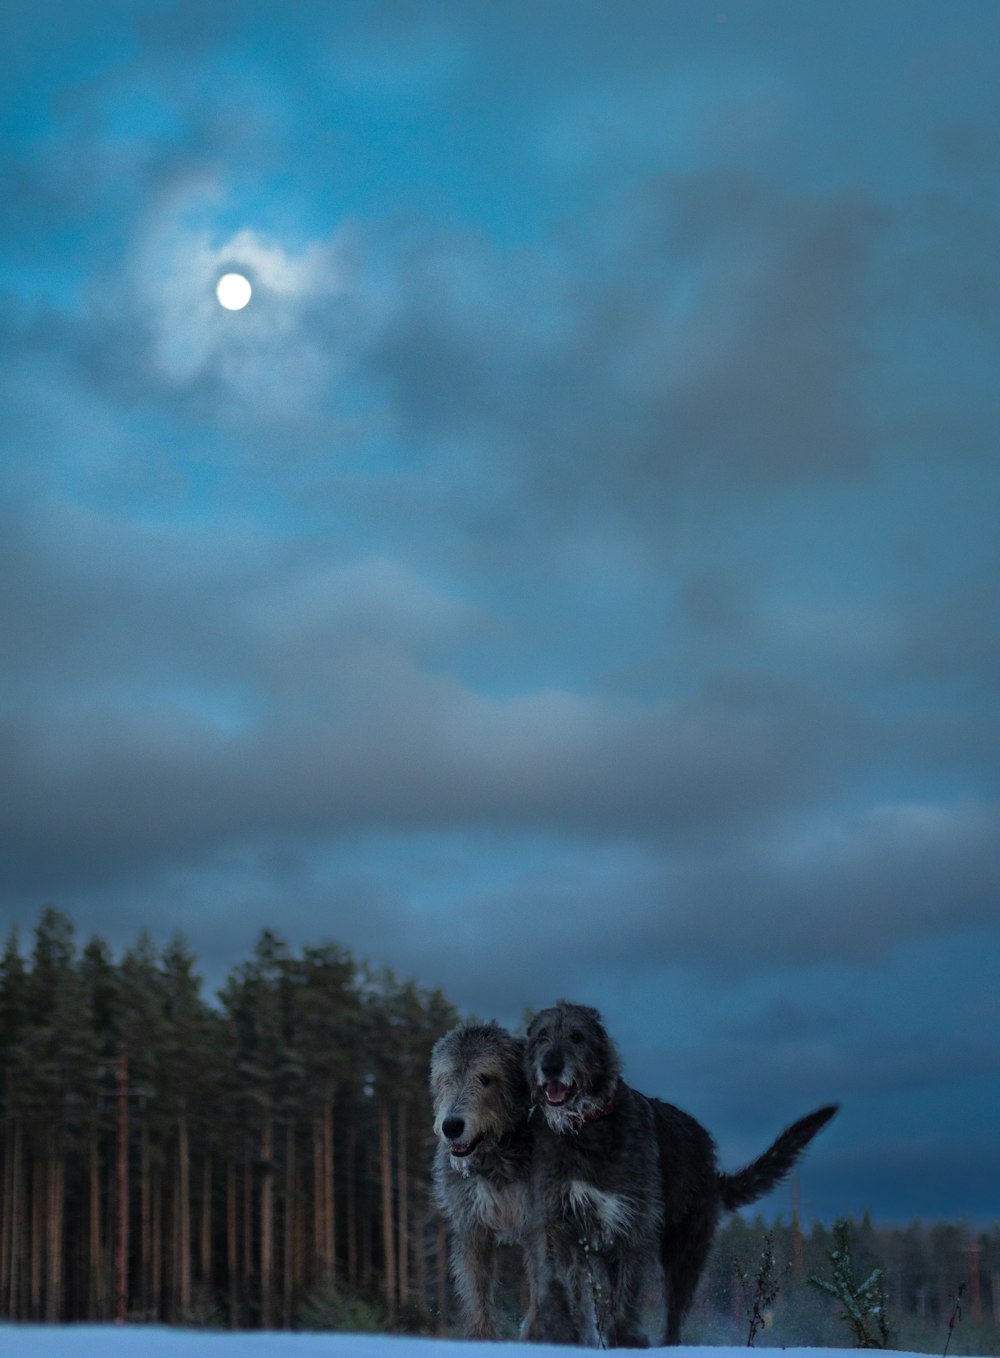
{"x":261,"y":1159}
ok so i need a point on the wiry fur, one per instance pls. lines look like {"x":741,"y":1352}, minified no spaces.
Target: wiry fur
{"x":642,"y":1151}
{"x":596,"y":1193}
{"x":482,"y":1158}
{"x":696,"y":1192}
{"x":586,"y":1295}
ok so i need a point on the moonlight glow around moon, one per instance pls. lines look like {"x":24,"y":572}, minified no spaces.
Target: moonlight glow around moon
{"x":233,"y":291}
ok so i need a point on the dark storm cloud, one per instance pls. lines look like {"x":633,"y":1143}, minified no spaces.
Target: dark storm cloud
{"x":772,"y":904}
{"x":956,"y":638}
{"x":828,"y":1065}
{"x":903,"y":1176}
{"x":615,"y":379}
{"x":191,"y":700}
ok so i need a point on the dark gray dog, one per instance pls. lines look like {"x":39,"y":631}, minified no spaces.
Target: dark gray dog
{"x":620,"y":1180}
{"x":596,"y":1193}
{"x":481,"y":1164}
{"x":695,"y":1193}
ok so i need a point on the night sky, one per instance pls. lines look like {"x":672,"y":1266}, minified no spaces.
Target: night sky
{"x":575,"y":573}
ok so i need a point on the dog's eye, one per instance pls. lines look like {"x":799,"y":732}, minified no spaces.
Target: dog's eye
{"x":542,"y":1034}
{"x":576,"y":1038}
{"x":485,"y":1080}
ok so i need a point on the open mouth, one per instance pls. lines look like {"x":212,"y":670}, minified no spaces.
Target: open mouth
{"x":460,"y":1149}
{"x":556,"y":1092}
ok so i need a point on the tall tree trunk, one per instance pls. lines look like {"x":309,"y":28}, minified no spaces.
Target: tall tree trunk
{"x":319,"y":1200}
{"x":171,"y":1250}
{"x":205,"y":1242}
{"x":145,"y":1223}
{"x":121,"y":1285}
{"x":55,"y":1215}
{"x":156,"y":1247}
{"x":183,"y":1209}
{"x":247,"y":1212}
{"x":421,"y":1247}
{"x":5,"y":1215}
{"x":352,"y":1197}
{"x":95,"y":1288}
{"x":368,"y":1218}
{"x":16,"y":1225}
{"x":232,"y":1245}
{"x":301,"y":1237}
{"x":441,"y":1275}
{"x":267,"y":1220}
{"x":289,"y":1223}
{"x":403,"y":1206}
{"x":37,"y":1224}
{"x":385,"y":1175}
{"x":329,"y":1219}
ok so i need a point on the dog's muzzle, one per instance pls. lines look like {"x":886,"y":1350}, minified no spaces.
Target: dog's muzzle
{"x":551,"y":1076}
{"x":452,"y":1130}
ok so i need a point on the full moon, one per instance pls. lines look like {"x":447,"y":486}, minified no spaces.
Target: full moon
{"x":233,"y":291}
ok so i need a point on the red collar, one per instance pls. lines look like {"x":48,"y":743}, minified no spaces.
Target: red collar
{"x":602,"y":1112}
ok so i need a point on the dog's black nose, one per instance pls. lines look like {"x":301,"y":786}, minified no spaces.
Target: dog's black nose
{"x":453,"y":1128}
{"x":552,"y":1064}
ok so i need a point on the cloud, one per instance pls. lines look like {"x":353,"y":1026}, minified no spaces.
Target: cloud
{"x":952,"y":638}
{"x":172,"y":696}
{"x":704,"y":331}
{"x":707,"y":329}
{"x":909,"y":1178}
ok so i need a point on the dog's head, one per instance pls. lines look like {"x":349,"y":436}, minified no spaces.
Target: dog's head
{"x":479,"y":1090}
{"x":572,"y":1065}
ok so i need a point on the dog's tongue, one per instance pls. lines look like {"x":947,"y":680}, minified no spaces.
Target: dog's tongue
{"x":556,"y":1092}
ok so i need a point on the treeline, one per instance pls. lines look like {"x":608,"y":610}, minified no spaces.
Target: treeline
{"x":263,"y":1161}
{"x":930,"y":1269}
{"x":260,"y":1161}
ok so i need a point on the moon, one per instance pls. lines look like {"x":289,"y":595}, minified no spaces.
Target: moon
{"x":233,"y":291}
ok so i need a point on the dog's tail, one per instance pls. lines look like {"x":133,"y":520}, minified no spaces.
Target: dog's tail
{"x":761,"y":1175}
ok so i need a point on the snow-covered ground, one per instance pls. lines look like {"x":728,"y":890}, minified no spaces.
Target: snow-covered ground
{"x":141,"y":1341}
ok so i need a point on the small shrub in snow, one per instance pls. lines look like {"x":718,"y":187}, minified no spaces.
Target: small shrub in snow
{"x":863,"y":1304}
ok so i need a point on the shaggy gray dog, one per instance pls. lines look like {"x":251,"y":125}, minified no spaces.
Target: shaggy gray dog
{"x":620,"y":1180}
{"x":482,"y":1159}
{"x":596,"y":1194}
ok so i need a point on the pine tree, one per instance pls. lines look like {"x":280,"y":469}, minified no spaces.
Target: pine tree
{"x":268,"y":1149}
{"x":101,"y":991}
{"x":59,"y":1058}
{"x":259,"y":1002}
{"x":184,"y":1068}
{"x":144,"y":1035}
{"x":329,"y":1025}
{"x":863,"y":1304}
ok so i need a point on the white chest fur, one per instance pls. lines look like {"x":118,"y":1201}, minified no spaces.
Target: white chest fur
{"x":502,"y":1210}
{"x":604,"y":1215}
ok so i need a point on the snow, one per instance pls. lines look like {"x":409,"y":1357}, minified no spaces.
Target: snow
{"x":148,"y":1341}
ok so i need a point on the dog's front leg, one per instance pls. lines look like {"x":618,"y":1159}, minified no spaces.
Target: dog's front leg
{"x":554,"y":1312}
{"x":530,"y":1320}
{"x":623,"y":1328}
{"x":473,"y":1267}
